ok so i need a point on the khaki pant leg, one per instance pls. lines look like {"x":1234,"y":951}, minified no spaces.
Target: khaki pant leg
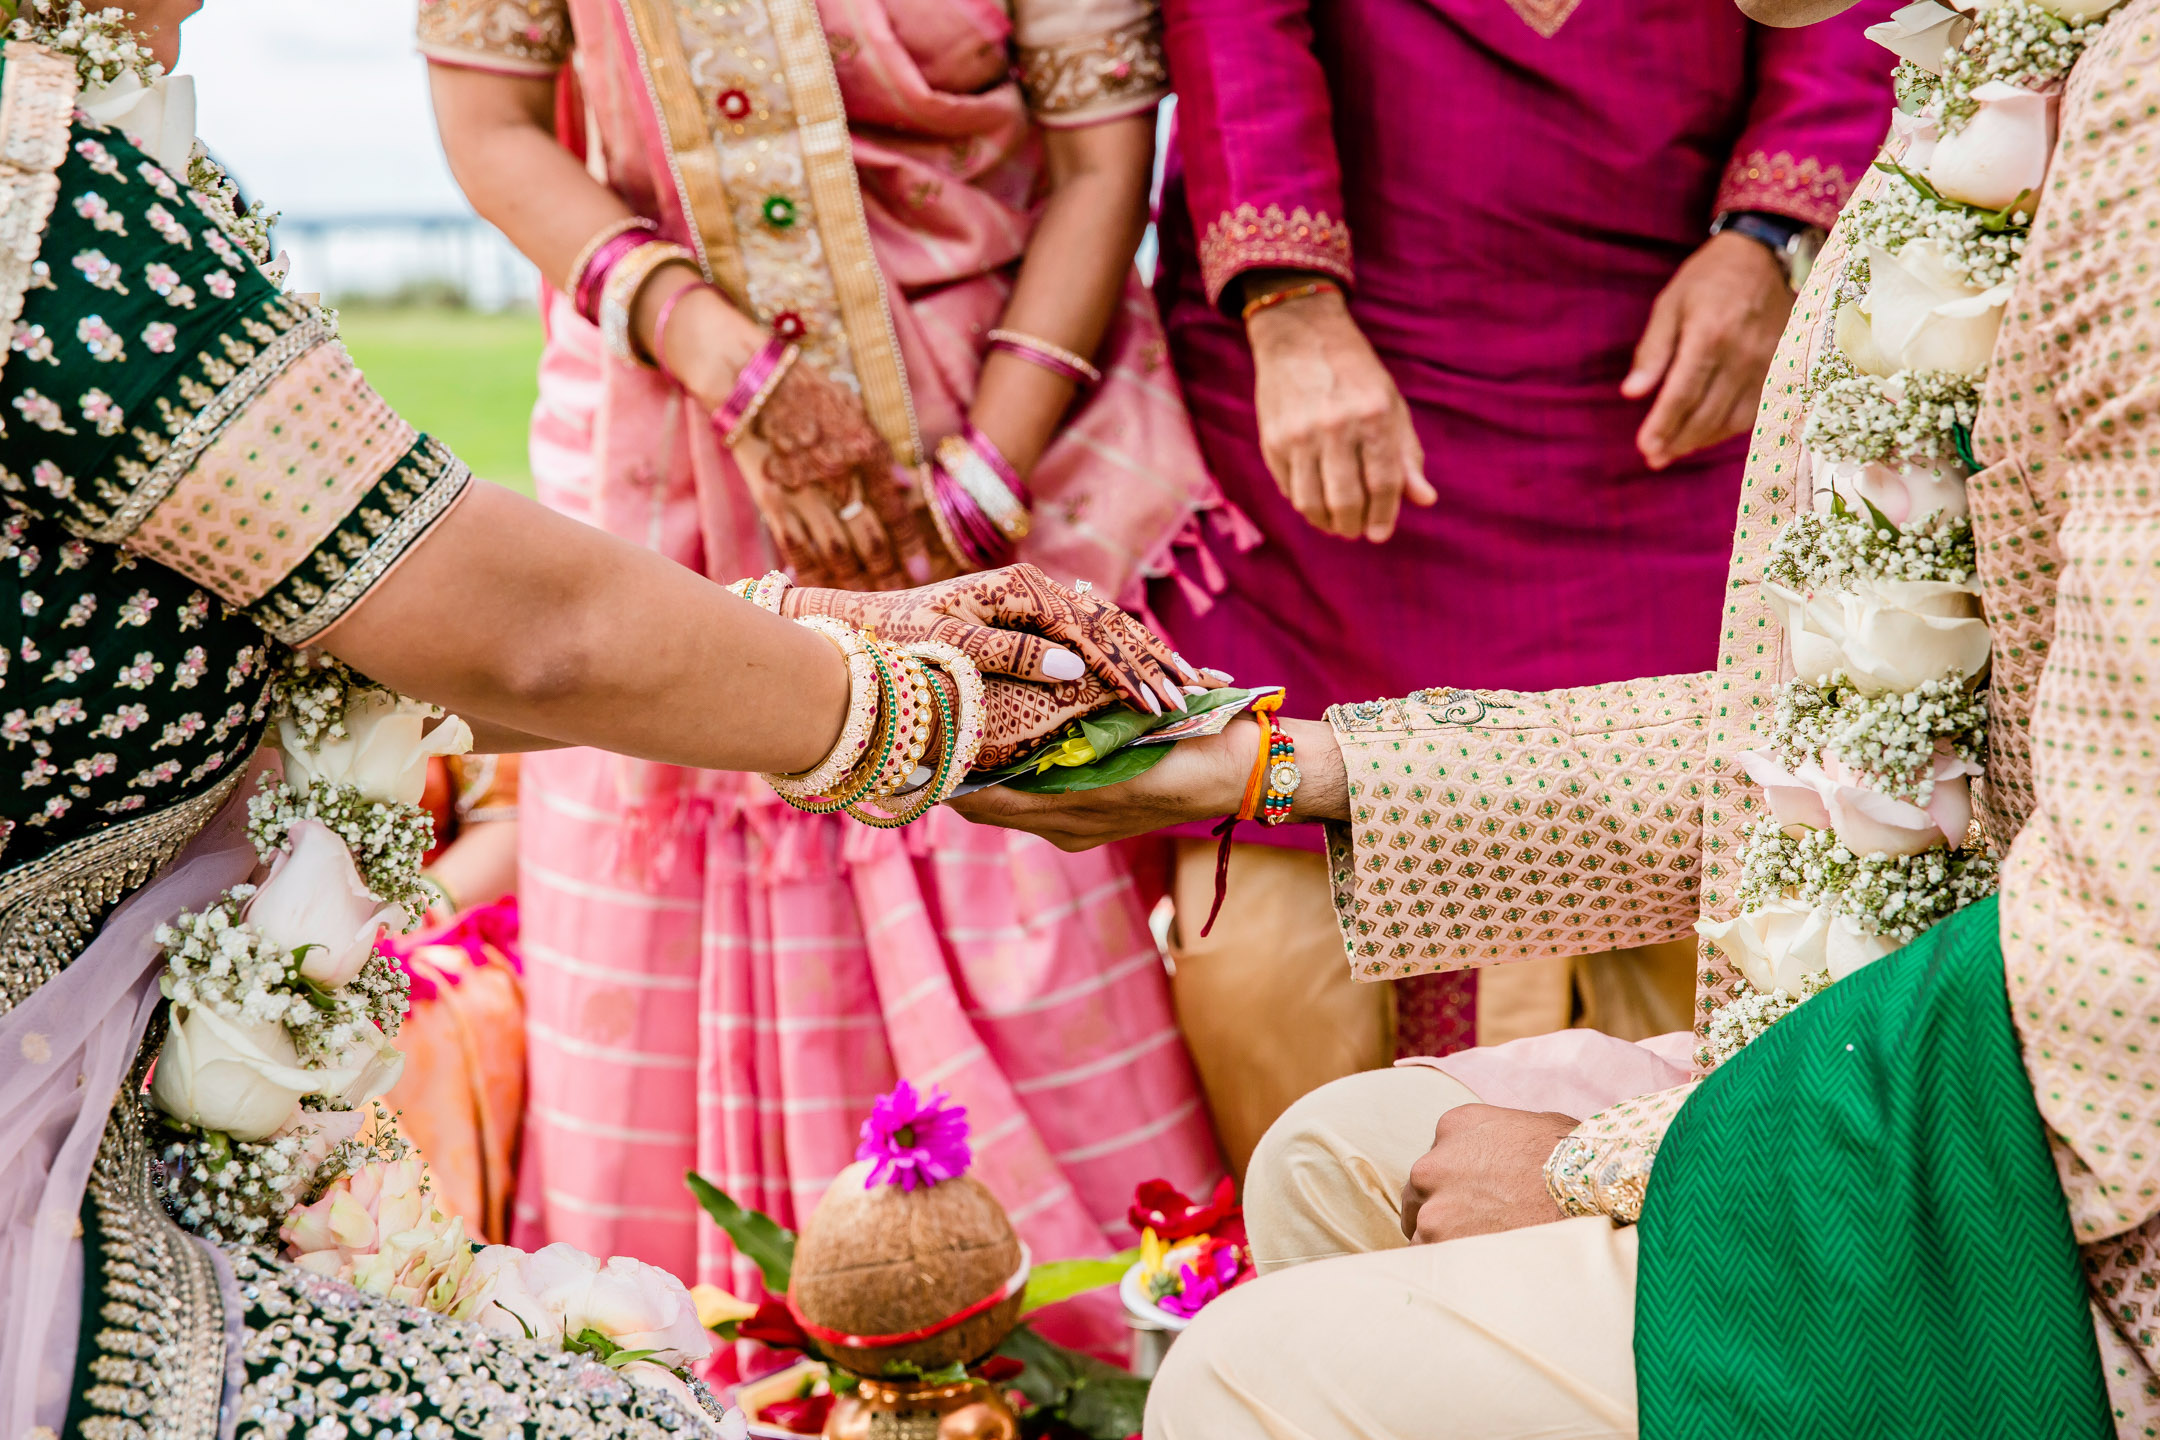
{"x":1265,"y":1000}
{"x":1524,"y":1335}
{"x":1327,"y":1179}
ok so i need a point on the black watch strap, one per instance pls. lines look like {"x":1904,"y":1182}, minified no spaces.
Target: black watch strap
{"x":1793,"y":242}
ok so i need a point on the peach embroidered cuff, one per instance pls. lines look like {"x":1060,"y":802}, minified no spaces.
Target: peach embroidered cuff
{"x":1248,"y":238}
{"x":1501,"y":825}
{"x":1603,"y":1167}
{"x":1804,"y":188}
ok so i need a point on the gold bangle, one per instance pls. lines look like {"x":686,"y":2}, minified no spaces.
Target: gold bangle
{"x":621,"y":292}
{"x":1285,"y":295}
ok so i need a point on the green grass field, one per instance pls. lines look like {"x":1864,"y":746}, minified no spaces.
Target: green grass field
{"x":463,"y":377}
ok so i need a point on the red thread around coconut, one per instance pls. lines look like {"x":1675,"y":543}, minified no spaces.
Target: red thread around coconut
{"x":907,"y":1337}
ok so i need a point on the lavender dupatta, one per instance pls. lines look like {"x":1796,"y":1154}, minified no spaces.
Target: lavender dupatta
{"x":64,"y":1054}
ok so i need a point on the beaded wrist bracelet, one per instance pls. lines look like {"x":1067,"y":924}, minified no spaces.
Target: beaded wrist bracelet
{"x":1052,"y":357}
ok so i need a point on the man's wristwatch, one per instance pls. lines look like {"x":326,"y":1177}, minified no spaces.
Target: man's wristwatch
{"x":1794,"y":243}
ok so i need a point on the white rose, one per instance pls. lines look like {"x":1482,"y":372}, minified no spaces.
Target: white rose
{"x":1908,"y":493}
{"x":384,"y":754}
{"x":1849,"y":947}
{"x":1775,"y":947}
{"x":1922,"y":33}
{"x":1913,"y":138}
{"x":1920,"y":316}
{"x":2001,"y":153}
{"x":642,"y":1307}
{"x":2077,"y":10}
{"x":315,"y":897}
{"x":367,"y":1069}
{"x":245,"y":1080}
{"x":160,"y":116}
{"x":533,"y":1291}
{"x":1793,"y":801}
{"x":1884,"y":634}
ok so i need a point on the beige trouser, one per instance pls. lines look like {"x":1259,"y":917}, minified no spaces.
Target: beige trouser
{"x":1524,"y":1335}
{"x":1265,"y":999}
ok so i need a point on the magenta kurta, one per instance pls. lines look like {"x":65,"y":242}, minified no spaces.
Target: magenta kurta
{"x":1518,"y":181}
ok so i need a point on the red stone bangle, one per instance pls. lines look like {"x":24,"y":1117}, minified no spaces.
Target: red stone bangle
{"x":587,"y":281}
{"x":1054,"y":358}
{"x":754,"y":384}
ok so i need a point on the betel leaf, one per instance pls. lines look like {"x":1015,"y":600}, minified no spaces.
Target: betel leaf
{"x":769,"y":1245}
{"x":1063,"y":1279}
{"x":1119,"y":766}
{"x":1068,"y":1391}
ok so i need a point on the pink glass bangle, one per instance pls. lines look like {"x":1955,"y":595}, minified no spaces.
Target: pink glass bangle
{"x":659,"y":329}
{"x":593,"y":278}
{"x":966,"y":530}
{"x":754,"y":384}
{"x":1054,"y":358}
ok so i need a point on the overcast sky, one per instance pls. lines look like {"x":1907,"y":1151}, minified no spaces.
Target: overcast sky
{"x":319,"y":106}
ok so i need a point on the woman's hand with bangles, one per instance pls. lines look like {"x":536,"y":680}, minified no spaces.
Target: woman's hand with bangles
{"x":840,"y":511}
{"x":1018,"y":622}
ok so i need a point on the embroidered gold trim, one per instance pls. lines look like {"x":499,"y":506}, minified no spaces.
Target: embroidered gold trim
{"x":735,"y":165}
{"x":447,"y":479}
{"x":50,"y":906}
{"x":158,"y":1365}
{"x":517,"y":37}
{"x":1249,"y":238}
{"x":1801,"y":188}
{"x":208,"y":423}
{"x":1544,"y":16}
{"x":1108,"y":73}
{"x":37,"y":99}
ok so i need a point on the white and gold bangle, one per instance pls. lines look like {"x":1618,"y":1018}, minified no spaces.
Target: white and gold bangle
{"x":984,"y":487}
{"x":621,"y":290}
{"x":865,"y":690}
{"x":962,"y":717}
{"x":911,"y":722}
{"x":768,"y":590}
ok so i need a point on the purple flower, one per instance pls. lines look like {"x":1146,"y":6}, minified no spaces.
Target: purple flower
{"x":1217,"y":1272}
{"x":914,"y":1139}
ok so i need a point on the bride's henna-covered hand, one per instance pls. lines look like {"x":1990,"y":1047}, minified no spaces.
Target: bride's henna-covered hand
{"x":1018,"y":716}
{"x":1019,"y":622}
{"x":838,"y":507}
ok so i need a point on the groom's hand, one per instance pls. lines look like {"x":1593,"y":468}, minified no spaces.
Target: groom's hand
{"x":1484,"y":1173}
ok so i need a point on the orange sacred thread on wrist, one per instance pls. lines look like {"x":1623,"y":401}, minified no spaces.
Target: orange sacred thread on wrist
{"x":1283,"y":297}
{"x":1255,"y":789}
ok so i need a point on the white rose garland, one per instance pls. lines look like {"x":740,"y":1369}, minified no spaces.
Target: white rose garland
{"x":1868,"y":842}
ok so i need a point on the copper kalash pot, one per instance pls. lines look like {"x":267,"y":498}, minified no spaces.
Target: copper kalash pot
{"x":905,"y":1410}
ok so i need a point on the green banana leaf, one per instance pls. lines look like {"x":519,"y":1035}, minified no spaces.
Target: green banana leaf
{"x":770,"y":1246}
{"x":1057,"y":1280}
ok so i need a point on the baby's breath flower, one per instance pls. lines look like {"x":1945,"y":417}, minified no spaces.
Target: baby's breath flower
{"x":2014,"y":41}
{"x":1977,"y":254}
{"x":388,"y":841}
{"x":1889,"y":739}
{"x":1749,"y":1013}
{"x":1823,"y":552}
{"x":1912,"y":415}
{"x":238,"y":1192}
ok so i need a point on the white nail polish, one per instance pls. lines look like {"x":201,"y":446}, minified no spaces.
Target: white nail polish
{"x":1063,"y":664}
{"x":1196,"y":690}
{"x":1190,"y":673}
{"x":1170,"y":694}
{"x":1222,"y":675}
{"x":1154,"y":706}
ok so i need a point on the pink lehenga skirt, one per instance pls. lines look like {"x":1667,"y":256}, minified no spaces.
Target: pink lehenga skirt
{"x":717,"y":982}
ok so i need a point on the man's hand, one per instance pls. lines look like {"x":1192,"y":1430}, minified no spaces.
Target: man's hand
{"x":1484,"y":1173}
{"x":1711,"y":334}
{"x":1333,"y":428}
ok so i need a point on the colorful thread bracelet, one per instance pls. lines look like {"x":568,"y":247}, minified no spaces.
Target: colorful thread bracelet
{"x":1282,"y":777}
{"x":1052,"y":357}
{"x":754,"y":384}
{"x":590,"y":268}
{"x":1284,"y":296}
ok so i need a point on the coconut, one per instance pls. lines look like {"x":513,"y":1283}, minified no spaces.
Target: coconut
{"x":885,"y":1261}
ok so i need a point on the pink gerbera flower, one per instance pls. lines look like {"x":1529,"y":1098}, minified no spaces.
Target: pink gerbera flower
{"x":914,"y":1139}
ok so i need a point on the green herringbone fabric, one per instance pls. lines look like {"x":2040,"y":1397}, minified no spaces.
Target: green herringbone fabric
{"x":1854,"y":1227}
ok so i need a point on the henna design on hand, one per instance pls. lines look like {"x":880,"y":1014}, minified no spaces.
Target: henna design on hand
{"x":1018,"y":716}
{"x":1007,"y":620}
